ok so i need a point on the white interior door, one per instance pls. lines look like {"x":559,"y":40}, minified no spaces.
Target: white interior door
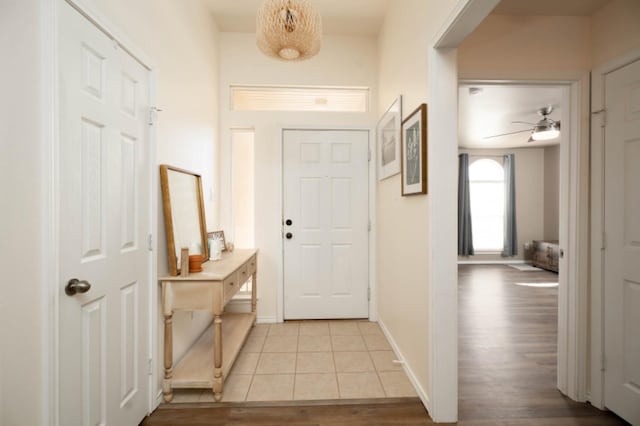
{"x":325,"y":229}
{"x":104,"y":222}
{"x":622,"y":253}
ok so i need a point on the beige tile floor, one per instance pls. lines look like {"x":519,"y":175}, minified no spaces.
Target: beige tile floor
{"x":311,"y":360}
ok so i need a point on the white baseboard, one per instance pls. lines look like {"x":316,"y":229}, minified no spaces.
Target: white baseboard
{"x":159,"y":398}
{"x":267,"y":320}
{"x":412,"y":377}
{"x":491,"y":262}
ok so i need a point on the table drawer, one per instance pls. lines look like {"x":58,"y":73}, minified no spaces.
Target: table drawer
{"x":243,"y":273}
{"x":252,"y":265}
{"x":230,"y":286}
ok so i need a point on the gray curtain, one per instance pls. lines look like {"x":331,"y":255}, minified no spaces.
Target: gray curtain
{"x":465,"y":240}
{"x":510,"y":233}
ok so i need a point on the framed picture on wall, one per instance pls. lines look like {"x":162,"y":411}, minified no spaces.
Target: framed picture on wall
{"x":414,"y":152}
{"x":388,"y":140}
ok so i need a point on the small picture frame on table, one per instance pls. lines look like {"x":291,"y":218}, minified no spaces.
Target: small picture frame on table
{"x":414,"y":152}
{"x":218,"y":235}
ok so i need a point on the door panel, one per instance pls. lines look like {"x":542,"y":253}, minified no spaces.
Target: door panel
{"x":622,"y":254}
{"x":326,"y":198}
{"x":104,"y":218}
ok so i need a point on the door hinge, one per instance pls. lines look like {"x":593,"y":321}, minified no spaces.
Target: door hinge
{"x":149,"y":366}
{"x":369,"y":154}
{"x":602,"y":112}
{"x":153,"y":115}
{"x":150,"y":242}
{"x":603,"y":246}
{"x":369,"y":293}
{"x":369,"y":226}
{"x":603,"y":364}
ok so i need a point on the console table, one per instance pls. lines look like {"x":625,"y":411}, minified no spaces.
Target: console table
{"x":209,"y":360}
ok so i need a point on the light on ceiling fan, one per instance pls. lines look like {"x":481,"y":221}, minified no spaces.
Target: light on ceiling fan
{"x":545,"y":131}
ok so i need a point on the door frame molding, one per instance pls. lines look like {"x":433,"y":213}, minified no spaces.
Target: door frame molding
{"x":572,"y":296}
{"x":443,"y":114}
{"x":373,"y":311}
{"x":598,"y":75}
{"x":51,"y":199}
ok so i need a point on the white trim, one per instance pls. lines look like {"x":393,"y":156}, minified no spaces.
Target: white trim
{"x":158,"y":398}
{"x":422,"y":394}
{"x":50,"y":114}
{"x":442,"y":61}
{"x":267,"y":320}
{"x":373,"y":236}
{"x":92,"y":13}
{"x":154,"y":182}
{"x":51,"y":194}
{"x":443,"y":270}
{"x":463,"y":19}
{"x":280,"y":283}
{"x":572,"y":296}
{"x":596,"y":394}
{"x":373,"y":305}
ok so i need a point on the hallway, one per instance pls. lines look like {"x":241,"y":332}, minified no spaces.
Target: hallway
{"x":507,"y":369}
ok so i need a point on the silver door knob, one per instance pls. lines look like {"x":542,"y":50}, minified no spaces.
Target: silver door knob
{"x":76,"y":286}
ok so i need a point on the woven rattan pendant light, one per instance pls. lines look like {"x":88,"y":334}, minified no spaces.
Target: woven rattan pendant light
{"x":290,"y":30}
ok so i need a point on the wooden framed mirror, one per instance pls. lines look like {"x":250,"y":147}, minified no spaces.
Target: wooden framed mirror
{"x":184,"y":218}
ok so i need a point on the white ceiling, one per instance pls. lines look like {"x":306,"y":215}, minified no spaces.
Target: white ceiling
{"x":345,"y":17}
{"x":365,"y":17}
{"x":492,"y":111}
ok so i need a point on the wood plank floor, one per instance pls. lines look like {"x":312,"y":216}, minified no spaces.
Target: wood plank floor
{"x":507,"y":369}
{"x":507,"y":351}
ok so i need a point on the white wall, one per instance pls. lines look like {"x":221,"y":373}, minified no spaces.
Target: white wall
{"x":23,"y":173}
{"x":530,"y":196}
{"x":615,"y":30}
{"x":552,"y":192}
{"x":527,"y":47}
{"x":343,"y":61}
{"x":402,"y":222}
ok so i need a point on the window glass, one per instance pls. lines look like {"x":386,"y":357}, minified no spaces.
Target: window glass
{"x":486,"y":187}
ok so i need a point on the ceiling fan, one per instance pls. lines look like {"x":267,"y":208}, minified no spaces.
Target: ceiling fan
{"x":544,"y":130}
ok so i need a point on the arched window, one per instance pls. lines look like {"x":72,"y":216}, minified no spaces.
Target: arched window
{"x":486,"y":187}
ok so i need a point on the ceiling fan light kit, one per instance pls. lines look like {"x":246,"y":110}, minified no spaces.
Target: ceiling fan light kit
{"x":289,"y":30}
{"x":544,"y":130}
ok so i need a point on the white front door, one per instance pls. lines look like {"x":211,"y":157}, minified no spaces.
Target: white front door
{"x":622,"y":253}
{"x":325,"y":229}
{"x":104,"y":206}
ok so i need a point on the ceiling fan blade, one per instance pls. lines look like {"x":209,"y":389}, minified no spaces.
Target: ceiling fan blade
{"x":523,"y":122}
{"x":506,"y":134}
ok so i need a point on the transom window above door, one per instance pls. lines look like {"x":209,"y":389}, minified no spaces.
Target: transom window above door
{"x":299,"y":98}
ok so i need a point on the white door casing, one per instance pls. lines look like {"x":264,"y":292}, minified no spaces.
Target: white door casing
{"x":325,"y":195}
{"x":104,"y":222}
{"x":622,"y":246}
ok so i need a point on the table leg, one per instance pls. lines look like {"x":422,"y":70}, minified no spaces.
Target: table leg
{"x":217,"y":358}
{"x":168,"y":357}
